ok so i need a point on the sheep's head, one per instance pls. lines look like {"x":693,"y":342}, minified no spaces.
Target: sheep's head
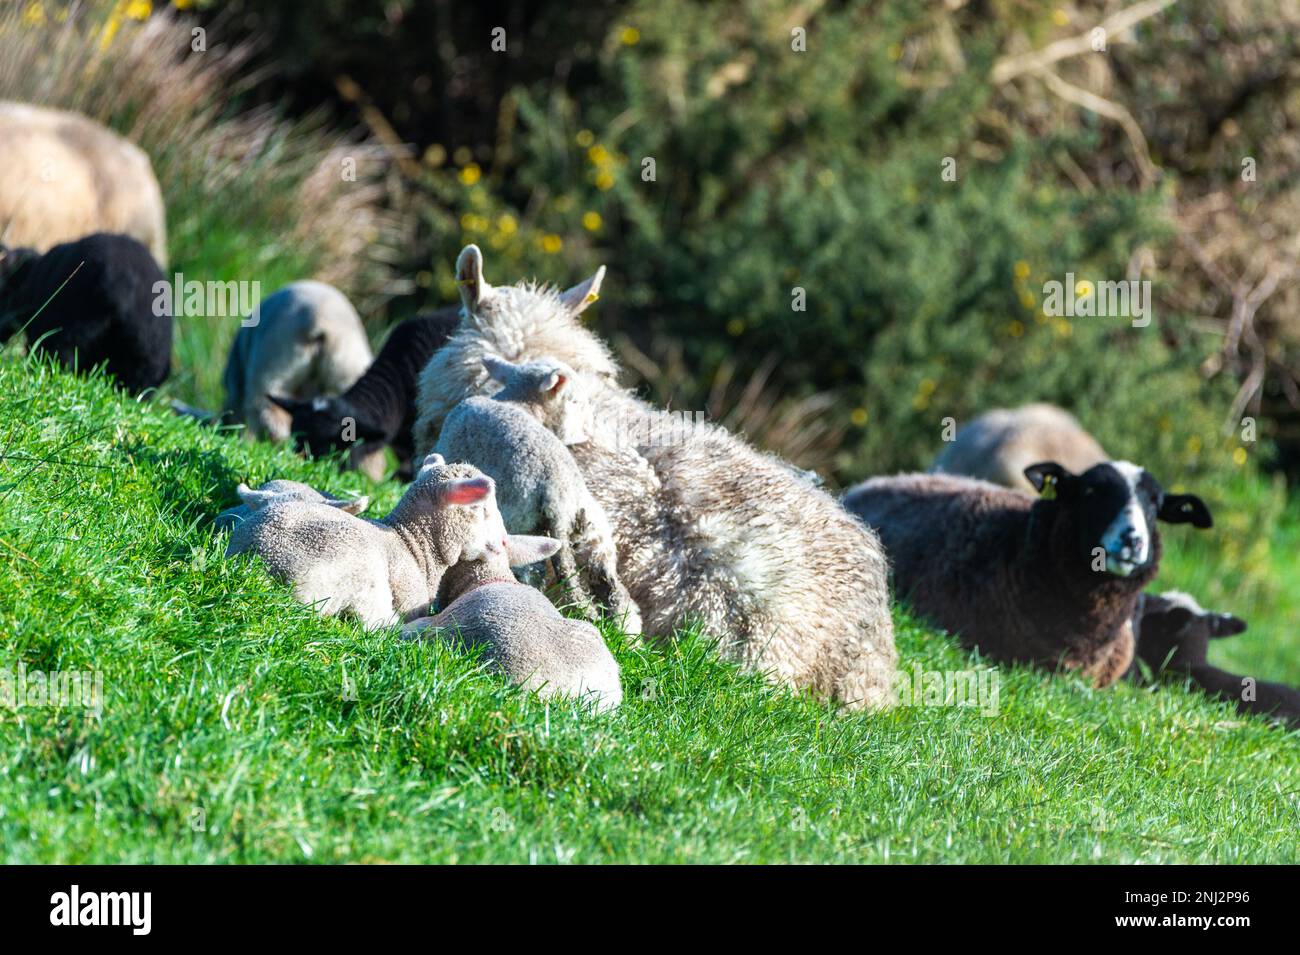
{"x":454,"y":507}
{"x":549,"y":390}
{"x":1176,"y":632}
{"x":324,"y":425}
{"x":1113,"y":508}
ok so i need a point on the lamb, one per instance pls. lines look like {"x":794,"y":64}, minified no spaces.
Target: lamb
{"x":67,"y":176}
{"x":308,"y":340}
{"x":380,"y":404}
{"x":1174,"y":637}
{"x":382,"y":571}
{"x":91,"y":302}
{"x":519,"y":630}
{"x":539,"y":487}
{"x":1052,"y":581}
{"x":999,"y":444}
{"x":708,"y":530}
{"x":281,"y":490}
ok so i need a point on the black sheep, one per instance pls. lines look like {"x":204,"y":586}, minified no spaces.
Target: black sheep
{"x":91,"y":302}
{"x":1174,"y":636}
{"x":1053,"y":581}
{"x":381,"y":404}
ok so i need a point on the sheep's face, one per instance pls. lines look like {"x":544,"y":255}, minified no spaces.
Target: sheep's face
{"x":1176,"y":632}
{"x":549,"y":390}
{"x":1114,"y":507}
{"x":325,"y":425}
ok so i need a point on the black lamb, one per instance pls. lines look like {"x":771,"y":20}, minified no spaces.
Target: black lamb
{"x":91,"y":302}
{"x":1174,"y":635}
{"x":379,"y":409}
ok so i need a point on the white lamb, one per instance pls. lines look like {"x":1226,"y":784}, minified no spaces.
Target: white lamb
{"x":382,"y":571}
{"x":539,"y":487}
{"x":518,"y":629}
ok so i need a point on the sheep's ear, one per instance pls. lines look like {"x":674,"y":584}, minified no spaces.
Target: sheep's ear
{"x":434,"y":460}
{"x":253,"y":499}
{"x":354,"y":506}
{"x":524,"y":549}
{"x":291,"y":405}
{"x":583,"y":294}
{"x":1226,"y":625}
{"x":553,"y":383}
{"x":469,"y":277}
{"x":1045,"y":477}
{"x":499,"y":369}
{"x":1184,"y":509}
{"x":467,"y":490}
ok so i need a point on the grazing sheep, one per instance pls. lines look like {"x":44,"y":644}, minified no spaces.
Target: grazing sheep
{"x":1174,"y":637}
{"x":708,"y":530}
{"x":282,"y":490}
{"x":539,"y":487}
{"x":380,"y":404}
{"x":91,"y":302}
{"x":520,"y":632}
{"x":998,"y":445}
{"x":67,"y":176}
{"x":1052,"y":581}
{"x":308,"y":341}
{"x":382,"y":571}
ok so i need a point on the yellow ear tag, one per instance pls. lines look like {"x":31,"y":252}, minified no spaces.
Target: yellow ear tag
{"x":1049,"y":487}
{"x":591,"y":297}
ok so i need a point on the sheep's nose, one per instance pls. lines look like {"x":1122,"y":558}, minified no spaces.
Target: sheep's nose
{"x":1132,"y":542}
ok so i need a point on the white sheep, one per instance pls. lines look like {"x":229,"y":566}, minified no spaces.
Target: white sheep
{"x":539,"y":487}
{"x":708,"y":530}
{"x":282,"y":490}
{"x":998,"y":445}
{"x":519,"y":631}
{"x":386,"y":570}
{"x":66,"y":176}
{"x":307,"y":341}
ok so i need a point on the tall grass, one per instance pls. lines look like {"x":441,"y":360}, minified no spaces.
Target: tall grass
{"x":250,"y":195}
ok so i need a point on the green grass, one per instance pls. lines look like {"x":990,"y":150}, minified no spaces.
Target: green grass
{"x":224,"y":699}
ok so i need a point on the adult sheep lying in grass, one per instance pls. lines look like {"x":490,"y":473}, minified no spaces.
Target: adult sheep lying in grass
{"x":1174,"y":638}
{"x":282,"y":490}
{"x":67,"y":176}
{"x":518,"y":629}
{"x":379,"y":408}
{"x":1052,"y":581}
{"x":90,"y":302}
{"x":708,"y":530}
{"x":381,"y":571}
{"x":539,"y":486}
{"x":999,"y":444}
{"x":307,"y":341}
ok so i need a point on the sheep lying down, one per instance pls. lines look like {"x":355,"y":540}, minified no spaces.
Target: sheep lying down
{"x":1174,"y":635}
{"x":1052,"y":581}
{"x":385,"y":570}
{"x":282,"y":490}
{"x":519,"y":631}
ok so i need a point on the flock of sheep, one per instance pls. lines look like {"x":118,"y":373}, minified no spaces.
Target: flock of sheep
{"x":1025,"y":540}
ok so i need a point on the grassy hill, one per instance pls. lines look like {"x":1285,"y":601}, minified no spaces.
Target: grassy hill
{"x":238,"y":726}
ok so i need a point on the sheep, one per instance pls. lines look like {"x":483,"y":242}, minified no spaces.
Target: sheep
{"x":281,"y":490}
{"x":67,"y":176}
{"x":380,"y":405}
{"x":999,"y":444}
{"x":1174,"y":633}
{"x":307,"y":341}
{"x":708,"y":530}
{"x":539,"y":487}
{"x":519,"y":630}
{"x":382,"y":571}
{"x":1049,"y":581}
{"x":89,"y":302}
